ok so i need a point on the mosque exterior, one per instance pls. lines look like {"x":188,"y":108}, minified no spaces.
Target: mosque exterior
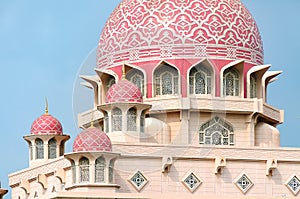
{"x":180,"y":110}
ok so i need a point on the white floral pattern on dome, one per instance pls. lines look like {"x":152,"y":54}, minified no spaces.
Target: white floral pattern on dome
{"x":92,"y":139}
{"x":123,"y":91}
{"x":138,"y":30}
{"x":46,"y":124}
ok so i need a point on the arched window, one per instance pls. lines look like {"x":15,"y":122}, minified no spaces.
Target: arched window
{"x":73,"y":168}
{"x":231,"y":82}
{"x":111,"y":82}
{"x":200,"y":80}
{"x":106,"y":122}
{"x":39,"y":148}
{"x":52,"y":148}
{"x":117,"y":119}
{"x":84,"y":169}
{"x":166,"y":80}
{"x":131,"y":119}
{"x":111,"y":171}
{"x":216,"y":132}
{"x":136,"y":77}
{"x":253,"y":86}
{"x":99,"y":170}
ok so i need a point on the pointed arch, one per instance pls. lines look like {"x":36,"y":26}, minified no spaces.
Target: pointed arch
{"x":137,"y":76}
{"x":52,"y":148}
{"x":131,"y":119}
{"x":84,"y":170}
{"x":231,"y":82}
{"x":117,"y":119}
{"x":257,"y":72}
{"x":39,"y":148}
{"x":216,"y":132}
{"x":99,"y":170}
{"x":201,"y":78}
{"x":166,"y":80}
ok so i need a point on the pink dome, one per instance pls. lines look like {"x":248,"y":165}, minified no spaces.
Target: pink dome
{"x":92,"y":139}
{"x":123,"y":91}
{"x":46,"y":125}
{"x":192,"y":29}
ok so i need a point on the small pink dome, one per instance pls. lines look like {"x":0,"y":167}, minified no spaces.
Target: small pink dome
{"x":46,"y":125}
{"x":92,"y":139}
{"x":124,"y":91}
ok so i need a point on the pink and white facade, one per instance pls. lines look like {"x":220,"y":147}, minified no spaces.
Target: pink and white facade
{"x":180,"y":110}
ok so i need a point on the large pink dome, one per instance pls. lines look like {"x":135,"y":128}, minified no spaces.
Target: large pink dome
{"x":92,"y":139}
{"x":46,"y":125}
{"x":123,"y":91}
{"x":190,"y":29}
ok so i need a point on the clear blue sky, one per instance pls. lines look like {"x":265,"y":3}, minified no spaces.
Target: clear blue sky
{"x":44,"y":43}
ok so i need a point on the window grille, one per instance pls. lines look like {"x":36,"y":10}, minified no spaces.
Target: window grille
{"x":39,"y":144}
{"x":84,"y":170}
{"x":166,"y":80}
{"x":131,"y":119}
{"x":52,"y":148}
{"x":216,"y":132}
{"x":231,"y":82}
{"x":200,"y":80}
{"x":117,"y":119}
{"x":136,"y":77}
{"x":99,"y":170}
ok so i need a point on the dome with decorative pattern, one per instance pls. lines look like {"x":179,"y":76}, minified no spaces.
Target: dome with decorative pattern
{"x":140,"y":30}
{"x":46,"y":125}
{"x":92,"y":139}
{"x":124,"y":91}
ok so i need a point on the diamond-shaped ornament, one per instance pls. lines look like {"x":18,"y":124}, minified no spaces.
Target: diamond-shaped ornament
{"x":191,"y":181}
{"x":138,"y":180}
{"x":244,"y":183}
{"x":293,"y":184}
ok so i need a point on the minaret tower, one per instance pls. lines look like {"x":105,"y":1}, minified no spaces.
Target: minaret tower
{"x":124,"y":112}
{"x":46,"y":140}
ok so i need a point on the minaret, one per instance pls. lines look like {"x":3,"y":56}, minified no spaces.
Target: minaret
{"x":124,"y":111}
{"x":46,"y":140}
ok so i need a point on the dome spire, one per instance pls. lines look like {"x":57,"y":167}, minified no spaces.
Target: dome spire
{"x":92,"y":120}
{"x":46,"y":108}
{"x":123,"y":72}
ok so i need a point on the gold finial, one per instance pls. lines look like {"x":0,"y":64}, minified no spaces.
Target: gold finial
{"x":123,"y":71}
{"x":46,"y":109}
